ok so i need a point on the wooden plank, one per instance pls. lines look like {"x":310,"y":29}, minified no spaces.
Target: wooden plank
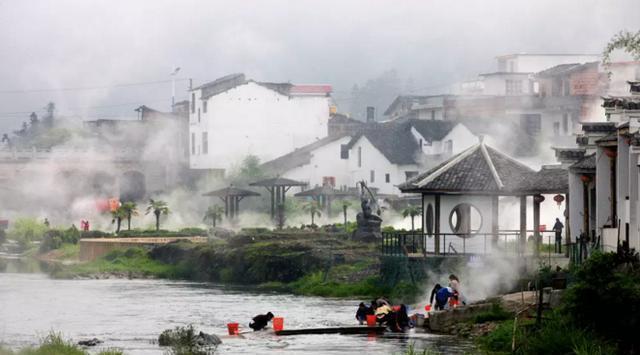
{"x":335,"y":330}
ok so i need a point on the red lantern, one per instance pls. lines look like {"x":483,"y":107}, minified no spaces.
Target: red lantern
{"x":585,"y":178}
{"x":538,"y":198}
{"x":611,"y":153}
{"x":558,"y":199}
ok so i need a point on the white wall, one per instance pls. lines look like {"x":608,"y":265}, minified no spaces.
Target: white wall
{"x":576,"y":204}
{"x":373,"y":159}
{"x":603,"y":190}
{"x":325,"y":161}
{"x":447,"y":203}
{"x":460,"y":137}
{"x":251,"y":119}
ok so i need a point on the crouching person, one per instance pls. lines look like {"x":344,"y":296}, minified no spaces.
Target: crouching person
{"x":260,"y":321}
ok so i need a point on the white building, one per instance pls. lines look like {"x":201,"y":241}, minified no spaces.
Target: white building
{"x":232,"y":117}
{"x":382,"y":154}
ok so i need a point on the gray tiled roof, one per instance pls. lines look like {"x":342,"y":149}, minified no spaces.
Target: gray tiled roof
{"x":586,"y":163}
{"x":479,"y":169}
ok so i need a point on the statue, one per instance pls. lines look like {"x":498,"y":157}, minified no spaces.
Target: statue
{"x":368,"y":223}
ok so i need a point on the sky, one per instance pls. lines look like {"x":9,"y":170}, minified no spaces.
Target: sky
{"x":95,"y":59}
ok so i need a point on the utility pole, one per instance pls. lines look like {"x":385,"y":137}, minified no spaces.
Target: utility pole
{"x":173,"y":87}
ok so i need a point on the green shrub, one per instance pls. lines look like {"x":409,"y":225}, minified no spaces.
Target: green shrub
{"x":95,"y":234}
{"x":55,"y":238}
{"x":499,"y":340}
{"x":27,"y":230}
{"x":3,"y":236}
{"x":605,"y":298}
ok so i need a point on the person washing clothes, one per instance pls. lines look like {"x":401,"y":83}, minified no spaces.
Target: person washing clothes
{"x":362,"y":313}
{"x":454,"y":283}
{"x":260,"y":321}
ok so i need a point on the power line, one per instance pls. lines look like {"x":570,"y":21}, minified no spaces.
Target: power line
{"x":84,"y":88}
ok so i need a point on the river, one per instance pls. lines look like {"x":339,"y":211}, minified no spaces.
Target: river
{"x":130,"y":314}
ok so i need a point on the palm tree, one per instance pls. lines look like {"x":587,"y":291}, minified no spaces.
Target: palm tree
{"x":313,"y":209}
{"x":214,"y":213}
{"x":130,"y":209}
{"x":345,"y":206}
{"x":157,"y":207}
{"x":118,"y":214}
{"x":411,"y":211}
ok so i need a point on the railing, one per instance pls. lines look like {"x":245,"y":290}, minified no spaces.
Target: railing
{"x":407,"y":243}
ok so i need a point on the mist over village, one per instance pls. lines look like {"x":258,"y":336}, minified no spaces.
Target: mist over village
{"x":319,"y":177}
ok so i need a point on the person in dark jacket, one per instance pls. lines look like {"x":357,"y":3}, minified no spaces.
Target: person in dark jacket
{"x":260,"y":321}
{"x":435,"y":290}
{"x":557,"y":227}
{"x":363,"y":311}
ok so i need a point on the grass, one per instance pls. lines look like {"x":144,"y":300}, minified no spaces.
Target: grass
{"x":121,"y":261}
{"x":55,"y":344}
{"x":496,"y":313}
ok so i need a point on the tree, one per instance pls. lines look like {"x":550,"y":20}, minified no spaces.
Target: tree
{"x":118,"y":214}
{"x":158,"y":208}
{"x":411,"y":211}
{"x":130,"y":209}
{"x":313,"y":209}
{"x":214,"y":213}
{"x":629,"y":42}
{"x":345,"y":207}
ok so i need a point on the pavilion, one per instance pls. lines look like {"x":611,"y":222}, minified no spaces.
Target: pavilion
{"x":324,"y":196}
{"x":231,"y":197}
{"x":460,"y":194}
{"x":277,"y":188}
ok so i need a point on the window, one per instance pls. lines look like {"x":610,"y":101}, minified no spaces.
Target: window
{"x":372,"y":178}
{"x":205,"y":143}
{"x":530,"y":123}
{"x":198,"y":115}
{"x":420,"y":143}
{"x":204,"y":106}
{"x":565,"y":123}
{"x":410,"y":174}
{"x":193,"y":144}
{"x":344,"y":151}
{"x":556,"y":128}
{"x":193,"y":102}
{"x":387,"y":178}
{"x":513,"y":87}
{"x":448,"y":146}
{"x":359,"y":157}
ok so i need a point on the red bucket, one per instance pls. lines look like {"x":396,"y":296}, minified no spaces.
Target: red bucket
{"x":371,"y":320}
{"x":233,"y":328}
{"x":427,"y":308}
{"x":278,"y":324}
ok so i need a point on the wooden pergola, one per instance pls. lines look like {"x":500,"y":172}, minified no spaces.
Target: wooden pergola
{"x":277,"y":188}
{"x":324,"y":195}
{"x":231,"y":197}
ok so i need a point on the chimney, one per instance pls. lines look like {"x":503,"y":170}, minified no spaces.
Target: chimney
{"x":371,"y":114}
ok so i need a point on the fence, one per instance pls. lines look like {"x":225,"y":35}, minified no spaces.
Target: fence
{"x":406,"y":243}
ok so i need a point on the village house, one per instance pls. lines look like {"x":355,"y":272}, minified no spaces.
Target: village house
{"x":382,"y":154}
{"x":604,"y":184}
{"x":232,"y":117}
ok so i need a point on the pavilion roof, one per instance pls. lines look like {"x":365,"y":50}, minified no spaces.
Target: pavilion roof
{"x":231,"y":191}
{"x":484,"y":170}
{"x":278,"y":181}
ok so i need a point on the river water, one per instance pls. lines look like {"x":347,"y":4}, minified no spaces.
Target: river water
{"x":130,"y":314}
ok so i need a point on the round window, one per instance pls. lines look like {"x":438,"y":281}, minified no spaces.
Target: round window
{"x":465,"y":220}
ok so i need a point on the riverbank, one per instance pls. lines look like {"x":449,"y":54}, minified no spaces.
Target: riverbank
{"x":301,"y":262}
